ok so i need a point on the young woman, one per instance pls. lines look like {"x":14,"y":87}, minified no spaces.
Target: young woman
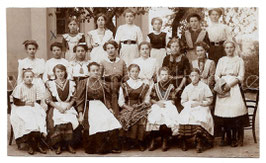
{"x":96,"y":115}
{"x":218,"y":33}
{"x":78,"y":68}
{"x":36,"y":64}
{"x":158,"y":40}
{"x":72,"y":38}
{"x":196,"y":119}
{"x":146,"y":63}
{"x":206,"y":66}
{"x":62,"y":117}
{"x":129,"y":36}
{"x":134,"y":101}
{"x":27,"y":116}
{"x":193,"y":35}
{"x":114,"y":72}
{"x":230,"y":110}
{"x":56,"y":49}
{"x":163,"y":115}
{"x":97,"y":38}
{"x":179,"y":67}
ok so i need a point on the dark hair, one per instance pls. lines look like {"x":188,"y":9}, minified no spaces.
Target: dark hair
{"x":133,"y":66}
{"x":156,"y":18}
{"x":81,"y":44}
{"x":113,"y":42}
{"x":193,"y":15}
{"x":218,"y":10}
{"x":27,"y":70}
{"x":144,"y":43}
{"x":129,"y":11}
{"x":30,"y":42}
{"x":163,"y":69}
{"x":56,"y":44}
{"x":93,"y":64}
{"x":97,"y":17}
{"x":195,"y":70}
{"x":61,"y":67}
{"x":73,"y":18}
{"x":174,"y":40}
{"x":205,"y":46}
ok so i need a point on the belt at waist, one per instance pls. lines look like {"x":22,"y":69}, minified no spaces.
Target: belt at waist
{"x":129,"y":42}
{"x":78,"y":78}
{"x":154,"y":47}
{"x":217,"y":43}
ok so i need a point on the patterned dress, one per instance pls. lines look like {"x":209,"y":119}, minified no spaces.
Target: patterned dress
{"x":133,"y":93}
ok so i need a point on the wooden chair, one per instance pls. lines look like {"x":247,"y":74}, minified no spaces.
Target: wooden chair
{"x":252,"y":106}
{"x":11,"y":84}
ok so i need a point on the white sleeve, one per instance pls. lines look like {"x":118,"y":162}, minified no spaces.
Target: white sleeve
{"x":139,"y":36}
{"x":118,"y":34}
{"x":121,"y":98}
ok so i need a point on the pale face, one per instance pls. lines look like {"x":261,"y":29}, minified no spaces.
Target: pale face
{"x":134,"y":73}
{"x":110,"y":49}
{"x":201,"y":52}
{"x":101,"y":22}
{"x":80,"y":53}
{"x":144,"y":51}
{"x":194,"y":23}
{"x":73,"y":27}
{"x":214,"y":16}
{"x":56,"y":51}
{"x":129,"y":17}
{"x":28,"y":78}
{"x":175,"y":48}
{"x":157,"y":25}
{"x":31,"y":50}
{"x":164,"y":76}
{"x":229,"y":49}
{"x":60,"y":74}
{"x":94,"y":70}
{"x":195,"y":77}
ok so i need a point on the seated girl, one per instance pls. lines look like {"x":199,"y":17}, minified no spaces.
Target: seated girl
{"x":27,"y":116}
{"x":62,"y":117}
{"x":196,"y":119}
{"x":163,"y":115}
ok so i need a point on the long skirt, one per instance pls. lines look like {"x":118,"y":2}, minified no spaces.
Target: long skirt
{"x":98,"y":54}
{"x":129,"y":52}
{"x":159,"y":55}
{"x":27,"y":119}
{"x":168,"y":116}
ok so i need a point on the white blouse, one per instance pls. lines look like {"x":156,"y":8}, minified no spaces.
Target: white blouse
{"x":96,"y":39}
{"x":77,"y":67}
{"x":147,"y":67}
{"x":129,"y":32}
{"x":218,"y":32}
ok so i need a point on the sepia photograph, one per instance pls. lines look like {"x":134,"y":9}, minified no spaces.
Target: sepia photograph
{"x":133,"y":82}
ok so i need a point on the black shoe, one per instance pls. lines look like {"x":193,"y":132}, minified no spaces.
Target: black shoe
{"x":41,"y":150}
{"x":58,"y":150}
{"x":234,"y":143}
{"x":71,"y":149}
{"x":142,"y":148}
{"x":199,"y":146}
{"x":165,"y":146}
{"x":184,"y":146}
{"x":31,"y":151}
{"x":152,"y":146}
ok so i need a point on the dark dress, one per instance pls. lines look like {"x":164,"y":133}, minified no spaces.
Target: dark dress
{"x":179,"y":68}
{"x":157,"y":41}
{"x":134,"y":122}
{"x":101,"y":142}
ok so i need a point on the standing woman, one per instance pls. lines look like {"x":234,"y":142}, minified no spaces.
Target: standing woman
{"x":129,"y":36}
{"x":230,"y":110}
{"x":78,"y":68}
{"x":114,"y":72}
{"x":36,"y":64}
{"x":62,"y":117}
{"x":205,"y":65}
{"x":179,"y":68}
{"x":72,"y":38}
{"x":158,"y":40}
{"x":134,"y":101}
{"x":27,"y":116}
{"x":218,"y":33}
{"x":97,"y":38}
{"x":146,"y":63}
{"x":96,"y":115}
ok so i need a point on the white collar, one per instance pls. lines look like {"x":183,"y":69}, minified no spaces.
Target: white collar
{"x":116,"y":60}
{"x":135,"y":84}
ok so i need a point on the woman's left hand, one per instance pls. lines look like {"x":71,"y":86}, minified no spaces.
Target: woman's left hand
{"x":227,"y":87}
